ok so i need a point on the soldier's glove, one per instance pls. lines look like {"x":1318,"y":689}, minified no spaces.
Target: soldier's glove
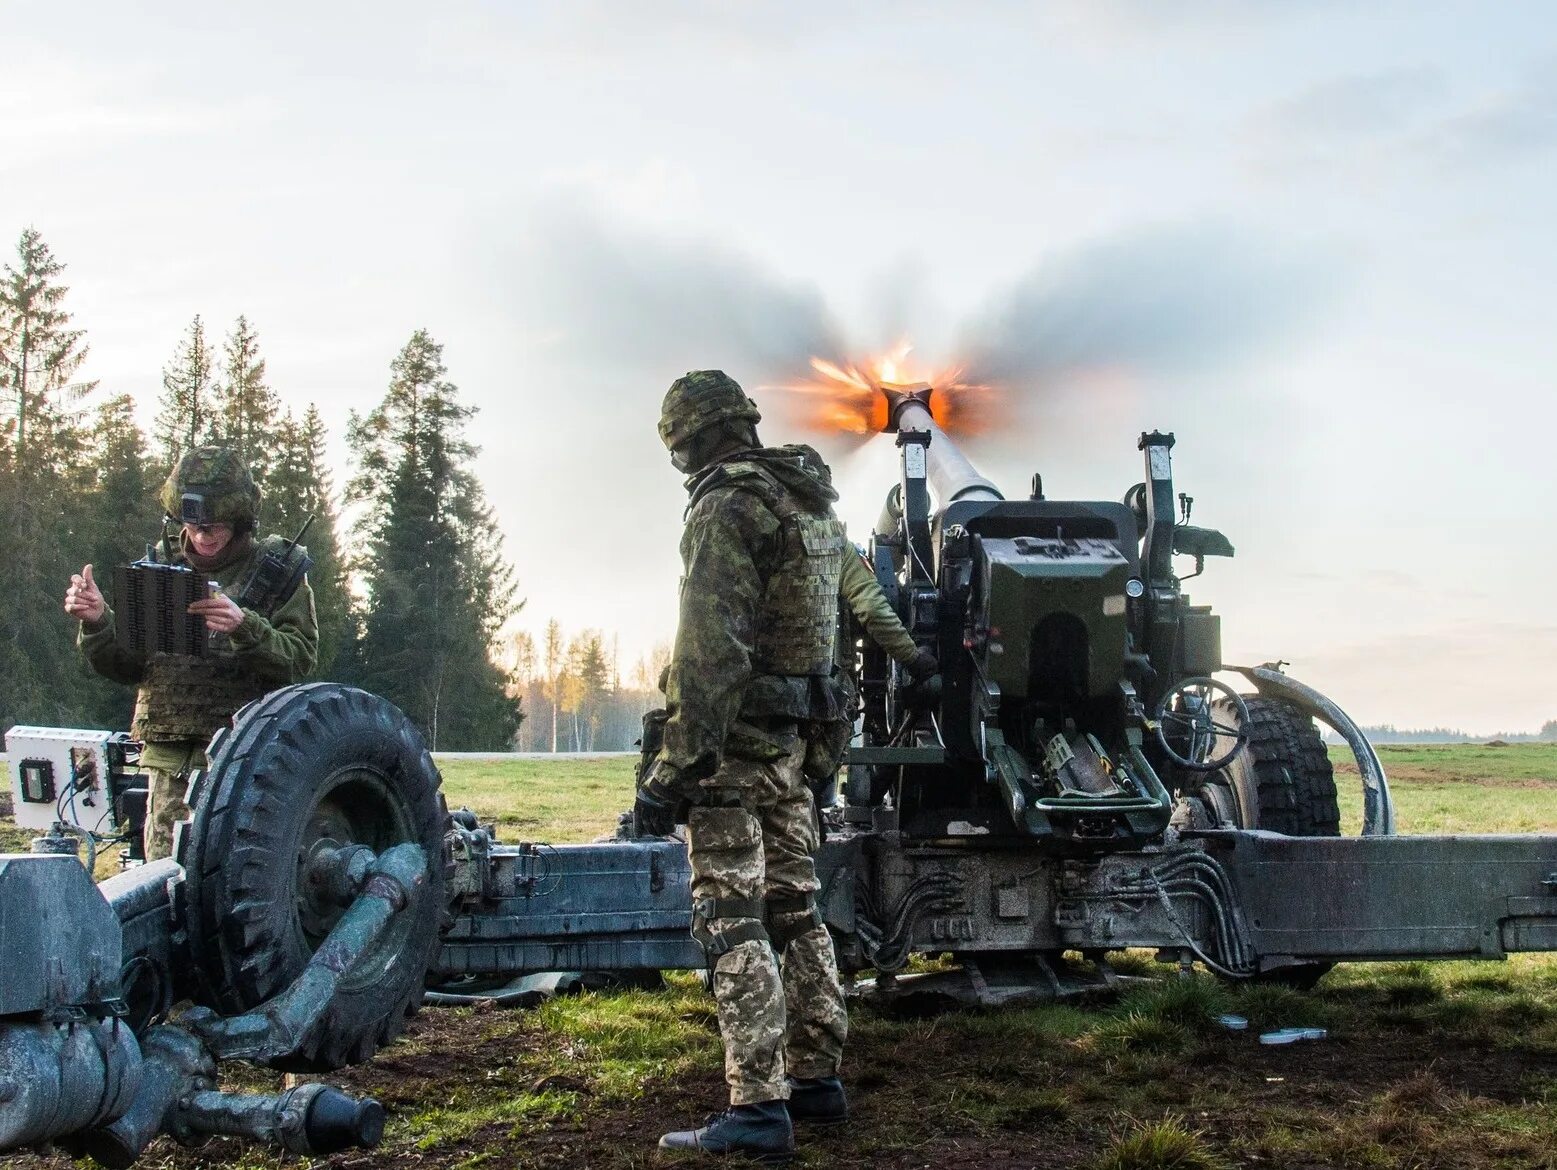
{"x":659,"y":806}
{"x":922,"y":666}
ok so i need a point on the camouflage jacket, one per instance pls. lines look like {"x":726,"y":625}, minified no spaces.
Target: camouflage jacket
{"x":862,"y":593}
{"x":272,"y":650}
{"x":732,"y":544}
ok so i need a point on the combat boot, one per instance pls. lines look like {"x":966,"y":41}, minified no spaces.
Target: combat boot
{"x":819,"y":1100}
{"x":760,"y":1131}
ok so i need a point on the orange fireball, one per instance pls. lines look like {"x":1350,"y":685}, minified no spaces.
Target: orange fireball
{"x":846,"y":397}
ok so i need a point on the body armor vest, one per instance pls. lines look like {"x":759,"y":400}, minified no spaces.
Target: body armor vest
{"x":182,"y":697}
{"x":798,"y":622}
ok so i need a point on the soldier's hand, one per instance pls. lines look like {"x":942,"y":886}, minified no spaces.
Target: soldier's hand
{"x":657,"y":808}
{"x":922,"y":666}
{"x":221,"y":613}
{"x":83,"y":599}
{"x":653,"y":814}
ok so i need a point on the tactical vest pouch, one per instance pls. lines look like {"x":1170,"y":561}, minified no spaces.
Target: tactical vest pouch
{"x":186,"y":698}
{"x":799,"y":619}
{"x":826,"y":743}
{"x":745,"y":741}
{"x":277,"y":572}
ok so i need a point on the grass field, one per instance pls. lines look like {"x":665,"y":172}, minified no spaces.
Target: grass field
{"x":1426,"y":1065}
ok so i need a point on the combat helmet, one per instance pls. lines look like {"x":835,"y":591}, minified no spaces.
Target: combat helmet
{"x":212,"y":485}
{"x":701,"y":399}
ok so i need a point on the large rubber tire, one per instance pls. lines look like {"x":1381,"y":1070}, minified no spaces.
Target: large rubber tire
{"x":304,"y":764}
{"x":1283,"y":782}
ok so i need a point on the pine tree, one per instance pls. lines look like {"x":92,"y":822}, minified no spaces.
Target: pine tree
{"x":243,"y":408}
{"x":298,"y":486}
{"x":45,"y":499}
{"x":438,"y":590}
{"x":39,"y":353}
{"x":122,"y":499}
{"x":184,"y":412}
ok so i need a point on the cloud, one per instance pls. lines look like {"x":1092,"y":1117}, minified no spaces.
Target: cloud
{"x":1407,"y":118}
{"x":1115,"y":21}
{"x":106,"y":104}
{"x":655,"y":305}
{"x":1359,"y":106}
{"x":1513,"y":124}
{"x":1165,"y":302}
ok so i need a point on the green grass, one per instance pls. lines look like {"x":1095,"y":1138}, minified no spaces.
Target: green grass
{"x":1459,"y":788}
{"x":1162,"y":1145}
{"x":542,"y":800}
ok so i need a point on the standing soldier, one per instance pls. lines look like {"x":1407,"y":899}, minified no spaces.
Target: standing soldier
{"x":750,"y":676}
{"x":264,"y":632}
{"x":859,"y":590}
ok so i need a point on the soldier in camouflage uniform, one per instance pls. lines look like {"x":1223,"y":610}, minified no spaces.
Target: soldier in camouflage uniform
{"x":750,"y":676}
{"x":262,"y":636}
{"x":861,"y":592}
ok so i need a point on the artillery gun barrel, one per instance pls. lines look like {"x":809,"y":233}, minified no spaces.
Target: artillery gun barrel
{"x":950,"y":474}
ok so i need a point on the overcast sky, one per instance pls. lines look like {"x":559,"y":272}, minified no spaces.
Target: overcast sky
{"x":1315,"y":240}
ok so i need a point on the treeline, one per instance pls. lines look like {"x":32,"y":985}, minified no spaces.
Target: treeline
{"x":411,"y":598}
{"x":1389,"y":733}
{"x":574,"y":695}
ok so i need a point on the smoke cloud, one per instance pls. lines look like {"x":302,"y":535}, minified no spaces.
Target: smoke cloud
{"x":1166,"y":303}
{"x":655,"y":306}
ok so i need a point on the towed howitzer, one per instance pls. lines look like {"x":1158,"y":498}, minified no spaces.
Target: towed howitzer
{"x":1078,"y":783}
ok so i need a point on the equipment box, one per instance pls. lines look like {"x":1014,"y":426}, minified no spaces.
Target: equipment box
{"x":64,"y":774}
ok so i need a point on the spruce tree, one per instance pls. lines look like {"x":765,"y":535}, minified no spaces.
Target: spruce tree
{"x":437,"y":587}
{"x":119,"y":522}
{"x":244,"y":408}
{"x":39,"y":355}
{"x":45,"y":498}
{"x":298,"y":486}
{"x":184,"y":411}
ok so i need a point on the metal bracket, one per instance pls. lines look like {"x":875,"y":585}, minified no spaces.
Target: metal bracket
{"x":277,"y":1027}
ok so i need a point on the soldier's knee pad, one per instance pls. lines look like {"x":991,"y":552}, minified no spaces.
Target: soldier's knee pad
{"x":789,"y":917}
{"x":720,"y":924}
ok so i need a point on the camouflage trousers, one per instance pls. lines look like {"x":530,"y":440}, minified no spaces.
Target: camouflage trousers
{"x":781,"y":1005}
{"x":167,"y":767}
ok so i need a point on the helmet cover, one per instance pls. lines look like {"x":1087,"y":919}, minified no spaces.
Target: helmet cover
{"x":700,"y":399}
{"x":211,"y":485}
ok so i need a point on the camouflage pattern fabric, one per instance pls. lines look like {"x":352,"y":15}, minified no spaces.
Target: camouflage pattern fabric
{"x":222,"y":480}
{"x":798,"y":623}
{"x":185,"y":698}
{"x":167,"y":776}
{"x":760,"y":849}
{"x":700,"y":399}
{"x":760,"y":542}
{"x":818,"y":1021}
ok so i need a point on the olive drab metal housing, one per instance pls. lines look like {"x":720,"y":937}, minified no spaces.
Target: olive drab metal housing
{"x":1079,"y":779}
